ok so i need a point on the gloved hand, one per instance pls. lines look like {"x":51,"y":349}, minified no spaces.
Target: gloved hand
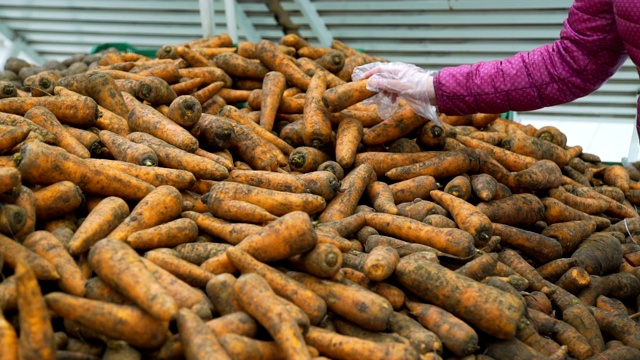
{"x":393,"y":80}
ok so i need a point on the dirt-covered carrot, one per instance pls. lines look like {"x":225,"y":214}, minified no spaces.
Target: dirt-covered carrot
{"x":344,"y":203}
{"x":600,"y":253}
{"x":418,"y":187}
{"x":239,"y":66}
{"x":11,"y":136}
{"x":169,"y":234}
{"x":276,"y":202}
{"x":588,"y":205}
{"x":345,"y":299}
{"x":269,"y":54}
{"x":444,"y":164}
{"x":466,"y":215}
{"x":424,"y":279}
{"x":574,"y":279}
{"x":220,"y":291}
{"x":459,"y":186}
{"x":532,"y":179}
{"x":273,"y":86}
{"x":45,"y":118}
{"x":484,"y":186}
{"x":480,"y":267}
{"x":210,"y":74}
{"x":288,"y":104}
{"x":26,"y":201}
{"x":88,"y":139}
{"x":348,"y":137}
{"x":238,"y":211}
{"x":173,"y":157}
{"x":536,"y":148}
{"x":570,"y":233}
{"x":110,"y":254}
{"x":187,"y":86}
{"x":381,"y":263}
{"x":516,"y":262}
{"x":169,"y":72}
{"x":194,"y":58}
{"x":51,"y":249}
{"x":154,"y":175}
{"x":147,"y":119}
{"x":333,"y":61}
{"x":456,"y":335}
{"x":289,"y":235}
{"x":8,"y":340}
{"x":284,"y":286}
{"x":44,"y":164}
{"x":528,"y":210}
{"x":340,"y":346}
{"x":397,"y":125}
{"x":214,"y":132}
{"x":12,"y":219}
{"x":14,"y":252}
{"x":259,"y":300}
{"x":348,"y":328}
{"x":163,"y":204}
{"x":230,"y":232}
{"x":307,"y":158}
{"x":317,"y":125}
{"x":182,"y":269}
{"x":125,"y":322}
{"x":268,"y":180}
{"x":198,"y":340}
{"x":207,"y":92}
{"x":126,"y":150}
{"x":323,"y":261}
{"x":36,"y":131}
{"x":36,"y":330}
{"x":537,"y":246}
{"x":100,"y":87}
{"x":616,"y":175}
{"x":381,"y":197}
{"x":509,"y":159}
{"x":76,"y":112}
{"x":10,"y":180}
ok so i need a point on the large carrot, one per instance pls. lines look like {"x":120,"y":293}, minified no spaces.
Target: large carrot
{"x":348,"y":138}
{"x":126,"y":150}
{"x":259,"y":300}
{"x":317,"y":125}
{"x":397,"y":125}
{"x":509,"y":159}
{"x":125,"y":322}
{"x":121,"y":268}
{"x":182,"y":269}
{"x":274,"y":201}
{"x":198,"y":340}
{"x":269,"y":54}
{"x":40,"y":163}
{"x":344,"y":203}
{"x":230,"y":232}
{"x":536,"y":148}
{"x":36,"y":131}
{"x":239,"y":66}
{"x":570,"y":233}
{"x":284,"y":286}
{"x":45,"y":118}
{"x":169,"y":234}
{"x":154,"y":175}
{"x":174,"y":157}
{"x":51,"y":249}
{"x":466,"y":215}
{"x":210,"y":74}
{"x":214,"y":132}
{"x":424,"y":278}
{"x":268,"y":180}
{"x":162,"y":204}
{"x":220,"y":290}
{"x":147,"y":119}
{"x":289,"y":235}
{"x":539,"y":247}
{"x":444,"y":164}
{"x":76,"y":112}
{"x":523,"y":210}
{"x":14,"y":252}
{"x":11,"y":136}
{"x":100,"y":87}
{"x":36,"y":331}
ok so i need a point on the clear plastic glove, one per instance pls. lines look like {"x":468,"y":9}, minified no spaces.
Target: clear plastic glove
{"x":394,"y":80}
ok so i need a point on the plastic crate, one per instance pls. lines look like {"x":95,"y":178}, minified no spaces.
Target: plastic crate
{"x":125,"y":47}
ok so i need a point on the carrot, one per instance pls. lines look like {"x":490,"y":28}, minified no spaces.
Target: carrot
{"x":348,"y":137}
{"x":455,"y":334}
{"x":508,"y":348}
{"x":317,"y":125}
{"x":169,"y":234}
{"x":528,"y":210}
{"x":484,"y":186}
{"x":126,"y":322}
{"x":400,"y":123}
{"x":505,"y":309}
{"x":214,"y":132}
{"x":466,"y":215}
{"x":100,"y":87}
{"x":570,"y":233}
{"x":238,"y":116}
{"x":223,"y":157}
{"x":219,"y":40}
{"x":51,"y":249}
{"x":422,"y":339}
{"x":7,"y":89}
{"x":185,"y":110}
{"x":557,"y":212}
{"x":269,"y":180}
{"x":36,"y":131}
{"x":14,"y":252}
{"x":618,"y":176}
{"x":269,"y":54}
{"x":11,"y":136}
{"x":553,"y":269}
{"x":192,"y":57}
{"x":574,"y":279}
{"x":333,"y":61}
{"x":273,"y":86}
{"x":44,"y":164}
{"x":310,"y":67}
{"x":76,"y":112}
{"x":444,"y":164}
{"x":616,"y":209}
{"x":536,"y":148}
{"x":306,"y":158}
{"x":600,"y":253}
{"x":220,"y":291}
{"x":275,"y":202}
{"x":509,"y":159}
{"x":36,"y":331}
{"x":517,"y":263}
{"x":12,"y":219}
{"x":291,"y":133}
{"x":322,"y":183}
{"x":109,"y":254}
{"x":293,"y":40}
{"x":176,"y":158}
{"x":9,"y":294}
{"x":584,"y":204}
{"x":209,"y":74}
{"x":238,"y":211}
{"x":232,"y":233}
{"x":323,"y":261}
{"x":154,"y":175}
{"x":580,"y":318}
{"x":187,"y":86}
{"x":241,"y":347}
{"x":345,"y":301}
{"x":340,"y":346}
{"x":45,"y":118}
{"x":97,"y":289}
{"x":197,"y":252}
{"x":350,"y":329}
{"x":146,"y":119}
{"x":182,"y":269}
{"x":239,"y":66}
{"x":8,"y":340}
{"x":207,"y":92}
{"x":381,"y":262}
{"x":284,"y":286}
{"x":126,"y":150}
{"x":198,"y":340}
{"x":532,"y":179}
{"x":27,"y":202}
{"x":288,"y":104}
{"x":562,"y":332}
{"x":459,"y":186}
{"x":537,"y":246}
{"x":253,"y":149}
{"x":272,"y":242}
{"x":552,"y":134}
{"x":10,"y":180}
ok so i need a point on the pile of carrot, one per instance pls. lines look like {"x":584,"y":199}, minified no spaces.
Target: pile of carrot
{"x":247,"y":201}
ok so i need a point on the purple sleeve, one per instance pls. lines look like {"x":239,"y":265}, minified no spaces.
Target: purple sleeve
{"x":587,"y":54}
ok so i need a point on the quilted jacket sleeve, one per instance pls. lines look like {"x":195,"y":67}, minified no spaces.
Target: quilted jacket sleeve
{"x":588,"y":52}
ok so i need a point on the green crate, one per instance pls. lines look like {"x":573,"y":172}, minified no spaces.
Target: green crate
{"x":125,"y":47}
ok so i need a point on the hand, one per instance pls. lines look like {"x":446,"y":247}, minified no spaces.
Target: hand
{"x":393,"y":80}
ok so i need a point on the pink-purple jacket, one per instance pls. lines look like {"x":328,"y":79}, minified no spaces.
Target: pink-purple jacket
{"x":598,"y":36}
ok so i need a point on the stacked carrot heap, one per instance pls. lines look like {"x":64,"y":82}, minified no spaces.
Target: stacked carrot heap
{"x":248,"y":202}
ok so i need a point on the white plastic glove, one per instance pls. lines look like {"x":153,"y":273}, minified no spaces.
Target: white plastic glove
{"x":393,"y":80}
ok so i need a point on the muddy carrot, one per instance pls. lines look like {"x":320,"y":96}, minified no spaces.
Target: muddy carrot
{"x":125,"y":322}
{"x":397,"y":125}
{"x":207,"y":92}
{"x":15,"y":252}
{"x":10,"y":180}
{"x":36,"y":331}
{"x":348,"y":137}
{"x":530,"y":210}
{"x":272,"y":242}
{"x":323,"y":261}
{"x":11,"y":136}
{"x":570,"y":233}
{"x":163,"y":204}
{"x":536,"y":148}
{"x":600,"y":253}
{"x":36,"y":131}
{"x":154,"y":175}
{"x":76,"y":112}
{"x":466,"y":215}
{"x":220,"y":291}
{"x":516,"y":262}
{"x":214,"y":132}
{"x":537,"y":246}
{"x":322,"y":183}
{"x":109,"y":254}
{"x":269,"y":54}
{"x":444,"y":164}
{"x":12,"y":219}
{"x":187,"y":87}
{"x":273,"y":86}
{"x":173,"y":157}
{"x":276,"y":202}
{"x":146,"y":119}
{"x":345,"y":202}
{"x":509,"y":159}
{"x":238,"y":211}
{"x":459,"y":186}
{"x":208,"y":74}
{"x":169,"y":234}
{"x":99,"y":86}
{"x":232,"y":233}
{"x":416,"y":276}
{"x":45,"y":118}
{"x":284,"y":286}
{"x":194,"y":58}
{"x":8,"y":340}
{"x":317,"y":125}
{"x":37,"y":162}
{"x":268,"y":180}
{"x":124,"y":149}
{"x":180,"y":268}
{"x":418,"y":187}
{"x":381,"y":263}
{"x":288,"y":104}
{"x":306,"y":158}
{"x":197,"y":339}
{"x":239,"y":66}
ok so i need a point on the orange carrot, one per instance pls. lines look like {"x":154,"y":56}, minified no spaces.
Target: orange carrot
{"x":154,"y":175}
{"x":169,"y":234}
{"x":269,"y":180}
{"x":348,"y":137}
{"x":445,"y":164}
{"x":467,"y":216}
{"x":345,"y":202}
{"x":273,"y":86}
{"x":209,"y":74}
{"x":232,"y":233}
{"x":198,"y":340}
{"x":185,"y":110}
{"x":126,"y":150}
{"x":45,"y":118}
{"x":146,"y":119}
{"x":36,"y":131}
{"x":214,"y":132}
{"x":182,"y":269}
{"x":221,"y":293}
{"x":207,"y":92}
{"x":26,"y":201}
{"x":397,"y":125}
{"x":105,"y":217}
{"x":269,"y":54}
